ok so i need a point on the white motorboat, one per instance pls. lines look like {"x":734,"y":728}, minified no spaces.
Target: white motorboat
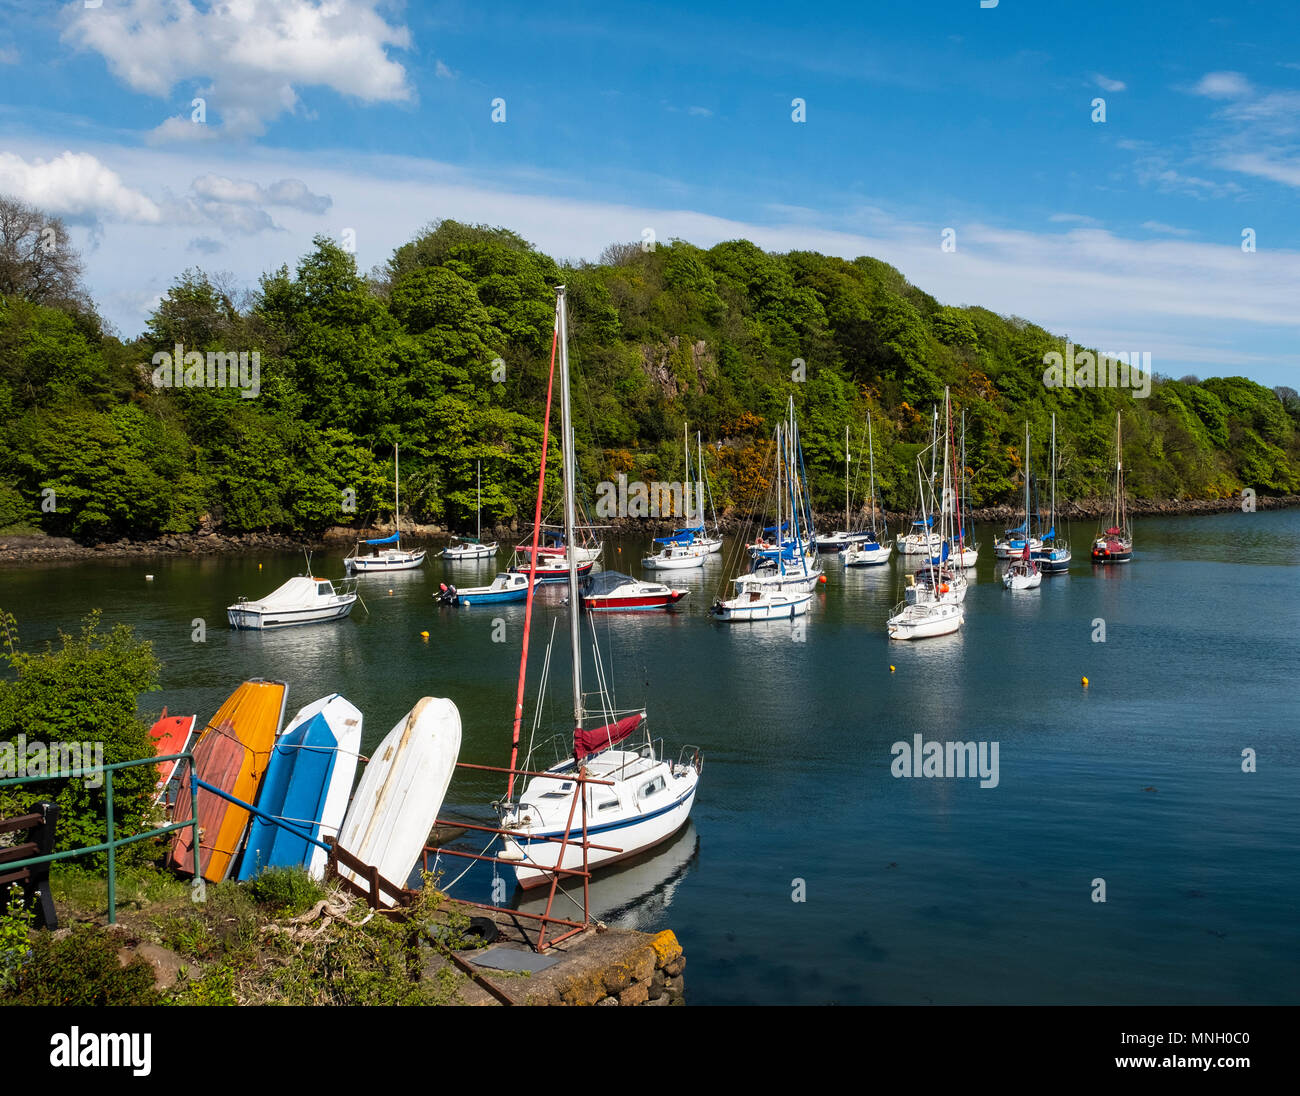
{"x":837,"y":541}
{"x":301,"y":600}
{"x":396,"y":558}
{"x":648,"y":797}
{"x":1054,"y":558}
{"x":925,"y":620}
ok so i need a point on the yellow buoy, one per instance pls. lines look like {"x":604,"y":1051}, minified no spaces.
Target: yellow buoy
{"x":259,"y":566}
{"x":424,"y":635}
{"x":1084,"y":682}
{"x":390,"y":593}
{"x":891,"y":669}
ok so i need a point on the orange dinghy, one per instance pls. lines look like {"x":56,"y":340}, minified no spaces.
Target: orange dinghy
{"x":170,"y":734}
{"x":232,"y":754}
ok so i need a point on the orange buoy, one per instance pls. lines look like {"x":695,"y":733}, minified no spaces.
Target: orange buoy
{"x":822,"y":579}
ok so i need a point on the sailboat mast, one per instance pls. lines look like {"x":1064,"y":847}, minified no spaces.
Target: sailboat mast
{"x":478,"y":464}
{"x":686,"y":483}
{"x":846,"y":477}
{"x":1028,"y":529}
{"x":1119,"y":469}
{"x":1053,"y":518}
{"x":871,"y":457}
{"x":397,"y":501}
{"x":570,"y":517}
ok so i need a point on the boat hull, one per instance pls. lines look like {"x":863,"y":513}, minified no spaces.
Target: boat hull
{"x":403,"y":561}
{"x":637,"y":603}
{"x":911,"y":624}
{"x":258,"y":620}
{"x":629,"y":836}
{"x":400,"y":793}
{"x":473,"y":552}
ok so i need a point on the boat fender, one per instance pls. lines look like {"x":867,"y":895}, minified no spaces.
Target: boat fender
{"x":943,"y":587}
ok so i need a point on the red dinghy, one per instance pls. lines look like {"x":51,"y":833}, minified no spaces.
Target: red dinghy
{"x":609,"y":591}
{"x":170,"y":735}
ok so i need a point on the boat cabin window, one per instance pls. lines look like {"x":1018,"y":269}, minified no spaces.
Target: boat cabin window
{"x":605,"y":802}
{"x":656,"y":785}
{"x":324,"y":588}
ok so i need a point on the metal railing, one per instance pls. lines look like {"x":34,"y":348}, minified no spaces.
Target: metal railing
{"x":114,"y":842}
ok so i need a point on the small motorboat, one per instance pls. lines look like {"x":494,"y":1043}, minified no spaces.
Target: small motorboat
{"x":550,"y":568}
{"x":610,"y":591}
{"x":301,"y":600}
{"x":507,"y":586}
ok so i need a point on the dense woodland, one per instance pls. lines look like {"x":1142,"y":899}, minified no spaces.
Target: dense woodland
{"x":353,"y":363}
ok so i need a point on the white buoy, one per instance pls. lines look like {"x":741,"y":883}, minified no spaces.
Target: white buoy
{"x":148,"y":578}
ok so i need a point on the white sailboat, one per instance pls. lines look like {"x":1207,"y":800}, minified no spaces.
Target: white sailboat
{"x":387,"y":559}
{"x":1023,"y":572}
{"x":1054,"y":557}
{"x":865,"y":549}
{"x":966,"y":552}
{"x":471,"y":548}
{"x":932,"y":605}
{"x":648,"y":797}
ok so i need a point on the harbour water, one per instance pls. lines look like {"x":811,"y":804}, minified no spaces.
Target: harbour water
{"x":810,"y":873}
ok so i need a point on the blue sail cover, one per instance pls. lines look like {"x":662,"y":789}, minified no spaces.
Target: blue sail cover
{"x":387,"y":540}
{"x":929,"y":520}
{"x":682,"y":536}
{"x":786,"y":553}
{"x":1050,"y":533}
{"x":772,"y":528}
{"x":1018,"y":528}
{"x":942,"y":557}
{"x":692,"y":532}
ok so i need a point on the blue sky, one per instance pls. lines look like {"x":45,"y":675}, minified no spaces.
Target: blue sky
{"x":329,"y":115}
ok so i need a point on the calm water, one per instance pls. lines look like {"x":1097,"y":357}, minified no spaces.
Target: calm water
{"x":916,"y":890}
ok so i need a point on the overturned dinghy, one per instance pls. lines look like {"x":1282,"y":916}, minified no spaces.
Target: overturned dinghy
{"x":401,"y":792}
{"x":306,"y":787}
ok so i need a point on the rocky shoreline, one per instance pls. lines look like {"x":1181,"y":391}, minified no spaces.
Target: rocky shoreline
{"x":28,"y":548}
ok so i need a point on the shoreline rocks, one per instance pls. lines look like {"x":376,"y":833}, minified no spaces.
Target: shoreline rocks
{"x":30,"y":548}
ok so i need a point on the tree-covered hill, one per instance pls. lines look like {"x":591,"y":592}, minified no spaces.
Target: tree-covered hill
{"x":445,"y":350}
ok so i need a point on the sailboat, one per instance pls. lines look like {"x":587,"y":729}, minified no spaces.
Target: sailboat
{"x":838,"y":540}
{"x":462,"y":548}
{"x":685,"y":548}
{"x":932,"y":606}
{"x":1115,"y":545}
{"x":647,"y":799}
{"x":389,"y":559}
{"x":922,"y":540}
{"x":705,"y":539}
{"x":865,"y":548}
{"x":939,"y":579}
{"x":1023,"y":572}
{"x":966,"y":552}
{"x":1054,"y":557}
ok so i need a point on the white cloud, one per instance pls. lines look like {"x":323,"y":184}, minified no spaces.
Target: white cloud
{"x":1279,"y":171}
{"x":1164,"y":229}
{"x":700,"y":112}
{"x":1073,"y":218}
{"x":1094,"y":285}
{"x":75,"y":185}
{"x":1107,"y":84}
{"x":1223,"y":85}
{"x":441,"y":71}
{"x":254,"y":56}
{"x":286,"y":192}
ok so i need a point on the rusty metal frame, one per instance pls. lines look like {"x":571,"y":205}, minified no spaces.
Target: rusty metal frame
{"x":546,"y":919}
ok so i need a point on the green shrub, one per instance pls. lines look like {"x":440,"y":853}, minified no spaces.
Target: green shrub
{"x":285,"y":891}
{"x":81,"y":968}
